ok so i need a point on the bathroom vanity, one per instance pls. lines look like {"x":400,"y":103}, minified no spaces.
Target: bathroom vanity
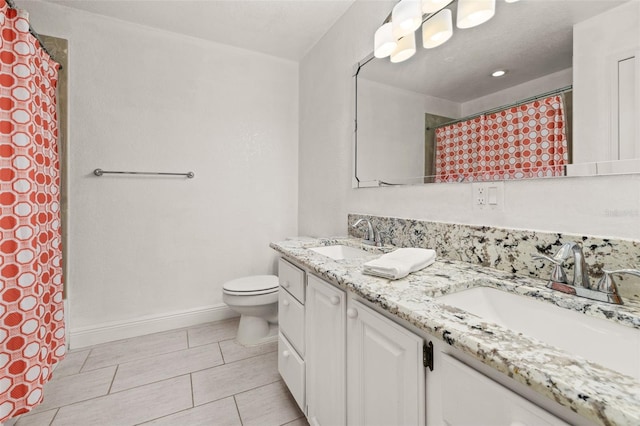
{"x":356,"y":349}
{"x":342,"y":346}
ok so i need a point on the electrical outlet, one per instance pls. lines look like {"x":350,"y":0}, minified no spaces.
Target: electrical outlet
{"x":479,"y":194}
{"x":488,"y":196}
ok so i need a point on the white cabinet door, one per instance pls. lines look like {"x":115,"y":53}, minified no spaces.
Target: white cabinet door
{"x":325,"y":353}
{"x":470,"y":398}
{"x":386,"y":377}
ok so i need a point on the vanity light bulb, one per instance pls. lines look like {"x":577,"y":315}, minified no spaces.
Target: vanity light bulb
{"x":406,"y":49}
{"x":474,"y":12}
{"x":406,"y":17}
{"x":437,"y":30}
{"x":432,"y":6}
{"x":384,"y":41}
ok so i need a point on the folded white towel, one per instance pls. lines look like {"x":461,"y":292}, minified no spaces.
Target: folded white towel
{"x":400,"y":263}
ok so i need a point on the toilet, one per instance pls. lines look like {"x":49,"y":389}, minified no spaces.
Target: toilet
{"x":255,"y":298}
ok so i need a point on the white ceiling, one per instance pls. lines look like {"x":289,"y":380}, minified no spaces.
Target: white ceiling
{"x":287,"y":29}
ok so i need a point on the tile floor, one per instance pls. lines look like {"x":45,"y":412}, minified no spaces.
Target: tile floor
{"x":193,"y":376}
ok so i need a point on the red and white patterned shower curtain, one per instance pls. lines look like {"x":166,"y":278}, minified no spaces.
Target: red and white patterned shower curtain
{"x":525,"y":141}
{"x":32,"y":336}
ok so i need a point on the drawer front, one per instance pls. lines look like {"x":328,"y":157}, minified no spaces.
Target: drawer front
{"x":291,"y":320}
{"x":292,"y":279}
{"x":291,"y":368}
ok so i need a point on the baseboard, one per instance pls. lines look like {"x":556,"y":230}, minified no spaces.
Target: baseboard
{"x":107,"y":332}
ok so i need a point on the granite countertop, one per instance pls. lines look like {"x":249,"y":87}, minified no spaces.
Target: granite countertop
{"x":600,"y":394}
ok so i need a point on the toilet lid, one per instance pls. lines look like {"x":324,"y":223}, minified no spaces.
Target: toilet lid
{"x":255,"y":284}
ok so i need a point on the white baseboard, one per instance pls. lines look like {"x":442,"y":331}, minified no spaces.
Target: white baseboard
{"x":117,"y":330}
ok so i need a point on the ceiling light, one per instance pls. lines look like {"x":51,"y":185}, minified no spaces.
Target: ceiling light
{"x":384,"y":41}
{"x":406,"y":49}
{"x":406,"y":17}
{"x":474,"y":12}
{"x":498,"y":73}
{"x":432,"y":6}
{"x":437,"y":30}
{"x":511,"y":1}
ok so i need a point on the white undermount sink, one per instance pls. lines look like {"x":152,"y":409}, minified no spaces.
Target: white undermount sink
{"x":339,"y":251}
{"x":607,"y":343}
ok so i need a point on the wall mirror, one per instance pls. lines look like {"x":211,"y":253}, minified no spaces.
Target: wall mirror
{"x":571,"y":75}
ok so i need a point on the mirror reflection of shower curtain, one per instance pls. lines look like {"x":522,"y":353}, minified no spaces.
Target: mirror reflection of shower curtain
{"x":524,"y":141}
{"x":32,"y":336}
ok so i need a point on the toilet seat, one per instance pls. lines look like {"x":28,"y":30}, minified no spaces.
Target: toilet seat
{"x":251,"y":286}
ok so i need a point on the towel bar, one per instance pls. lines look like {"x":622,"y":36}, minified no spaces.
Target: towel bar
{"x":100,"y":172}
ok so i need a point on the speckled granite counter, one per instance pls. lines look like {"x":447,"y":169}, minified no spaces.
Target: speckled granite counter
{"x":597,"y":393}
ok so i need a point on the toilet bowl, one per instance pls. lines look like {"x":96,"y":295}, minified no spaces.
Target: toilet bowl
{"x":255,"y":298}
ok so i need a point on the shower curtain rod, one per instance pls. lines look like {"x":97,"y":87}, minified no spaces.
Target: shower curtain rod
{"x":33,"y":32}
{"x":503,"y":107}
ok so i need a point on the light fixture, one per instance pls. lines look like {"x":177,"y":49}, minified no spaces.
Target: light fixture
{"x":406,"y":17}
{"x":396,"y":36}
{"x":498,"y":73}
{"x":406,"y":49}
{"x":431,"y":6}
{"x":384,"y":41}
{"x":474,"y":12}
{"x":437,"y":30}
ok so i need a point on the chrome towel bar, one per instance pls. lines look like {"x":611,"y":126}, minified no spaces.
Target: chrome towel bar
{"x":100,"y":172}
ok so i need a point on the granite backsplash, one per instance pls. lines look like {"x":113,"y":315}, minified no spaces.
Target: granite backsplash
{"x":508,"y":250}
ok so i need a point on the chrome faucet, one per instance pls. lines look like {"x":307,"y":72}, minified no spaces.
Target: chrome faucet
{"x":580,"y":268}
{"x":605,"y":290}
{"x":372,"y":237}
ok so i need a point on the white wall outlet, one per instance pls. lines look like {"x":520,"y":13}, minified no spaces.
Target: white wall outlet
{"x":481,"y":195}
{"x":488,"y":195}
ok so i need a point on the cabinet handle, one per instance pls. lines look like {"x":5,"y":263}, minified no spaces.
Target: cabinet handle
{"x":334,"y":300}
{"x":285,"y":284}
{"x":352,"y":313}
{"x":285,"y":354}
{"x":285,"y":302}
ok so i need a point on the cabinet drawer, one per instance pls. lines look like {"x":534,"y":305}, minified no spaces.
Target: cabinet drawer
{"x":291,"y":320}
{"x":292,"y":279}
{"x":291,"y":368}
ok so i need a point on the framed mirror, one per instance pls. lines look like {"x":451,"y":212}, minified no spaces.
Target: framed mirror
{"x":566,"y":105}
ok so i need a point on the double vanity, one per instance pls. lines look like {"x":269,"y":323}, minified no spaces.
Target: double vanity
{"x":455,"y":343}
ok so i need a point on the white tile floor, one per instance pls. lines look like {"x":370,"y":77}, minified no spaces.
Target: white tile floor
{"x":194,"y":376}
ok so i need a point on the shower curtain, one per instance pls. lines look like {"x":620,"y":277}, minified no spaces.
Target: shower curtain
{"x":32,"y":336}
{"x":524,"y":141}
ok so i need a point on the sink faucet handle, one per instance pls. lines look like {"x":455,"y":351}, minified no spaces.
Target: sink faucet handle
{"x":607,"y":284}
{"x":557,"y":274}
{"x":540,"y":256}
{"x":561,"y":255}
{"x":379,"y":239}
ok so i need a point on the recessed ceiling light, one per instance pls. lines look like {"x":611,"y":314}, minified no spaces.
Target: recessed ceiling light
{"x":498,"y":73}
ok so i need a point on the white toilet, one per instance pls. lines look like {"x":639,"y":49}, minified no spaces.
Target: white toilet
{"x":255,"y":298}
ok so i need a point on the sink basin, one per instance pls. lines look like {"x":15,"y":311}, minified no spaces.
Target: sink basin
{"x":338,"y":252}
{"x":607,"y":343}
